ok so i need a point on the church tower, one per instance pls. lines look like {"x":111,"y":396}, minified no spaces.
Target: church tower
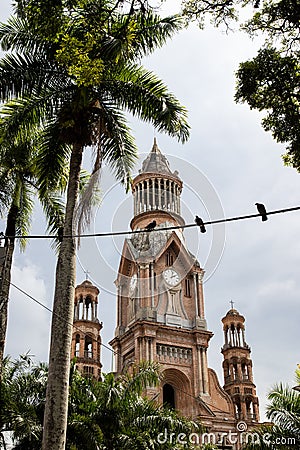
{"x":237,"y":367}
{"x":160,"y":301}
{"x":86,"y":340}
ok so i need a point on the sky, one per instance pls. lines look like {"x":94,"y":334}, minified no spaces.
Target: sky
{"x":228,"y":164}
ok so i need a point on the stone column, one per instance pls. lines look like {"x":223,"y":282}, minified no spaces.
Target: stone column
{"x":176,"y":199}
{"x":243,"y":336}
{"x":93,"y":310}
{"x":148,"y":196}
{"x":205,"y":371}
{"x":143,"y":198}
{"x":159,"y":193}
{"x":170,"y":196}
{"x":196,"y":294}
{"x":134,"y":201}
{"x":81,"y":346}
{"x":165,"y":194}
{"x":239,"y":371}
{"x":244,"y":410}
{"x":201,"y":295}
{"x":137,"y":199}
{"x":153,"y":194}
{"x":151,"y":273}
{"x":226,"y":336}
{"x":231,"y":371}
{"x":83,"y":308}
{"x":249,"y":370}
{"x":256,"y":411}
{"x":200,"y":370}
{"x":76,"y":311}
{"x":119,"y":312}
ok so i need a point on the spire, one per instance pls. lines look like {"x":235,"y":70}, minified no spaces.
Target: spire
{"x":156,"y":162}
{"x":156,"y":188}
{"x":155,"y":148}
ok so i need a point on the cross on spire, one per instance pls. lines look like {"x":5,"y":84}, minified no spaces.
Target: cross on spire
{"x":231,"y":303}
{"x":87,"y":274}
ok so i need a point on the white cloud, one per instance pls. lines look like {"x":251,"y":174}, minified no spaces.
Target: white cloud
{"x":277,"y":288}
{"x":28,"y":322}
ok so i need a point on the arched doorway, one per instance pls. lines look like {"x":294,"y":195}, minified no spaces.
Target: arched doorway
{"x":169,"y":395}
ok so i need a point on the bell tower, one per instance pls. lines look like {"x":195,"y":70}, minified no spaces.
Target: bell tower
{"x":237,"y":367}
{"x":86,"y":340}
{"x":160,"y":300}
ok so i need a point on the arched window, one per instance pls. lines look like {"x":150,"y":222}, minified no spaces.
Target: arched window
{"x":169,"y":396}
{"x":88,"y":308}
{"x":88,"y":347}
{"x":77,"y":345}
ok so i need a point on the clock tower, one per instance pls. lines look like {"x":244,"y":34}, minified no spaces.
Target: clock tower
{"x":160,"y":301}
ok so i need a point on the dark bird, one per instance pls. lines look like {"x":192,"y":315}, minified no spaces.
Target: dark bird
{"x":60,"y":234}
{"x":151,"y":226}
{"x":200,"y":224}
{"x":262,"y":211}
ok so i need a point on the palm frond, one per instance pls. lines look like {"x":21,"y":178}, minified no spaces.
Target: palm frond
{"x":140,"y":376}
{"x":16,"y":35}
{"x":54,"y":209}
{"x":143,"y":94}
{"x":26,"y":204}
{"x":116,"y":142}
{"x":52,"y":160}
{"x":141,"y":34}
{"x":88,"y":198}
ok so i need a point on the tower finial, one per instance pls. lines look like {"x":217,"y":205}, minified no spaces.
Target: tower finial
{"x":155,"y":148}
{"x":231,"y":303}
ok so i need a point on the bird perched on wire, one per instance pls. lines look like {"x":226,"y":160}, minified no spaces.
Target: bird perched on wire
{"x":200,"y":224}
{"x":151,"y":226}
{"x":262,"y":211}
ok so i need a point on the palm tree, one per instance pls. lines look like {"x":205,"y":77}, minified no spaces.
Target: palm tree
{"x":110,"y":414}
{"x":283,"y":411}
{"x":23,"y":391}
{"x":18,"y":189}
{"x":80,"y":110}
{"x":130,"y":421}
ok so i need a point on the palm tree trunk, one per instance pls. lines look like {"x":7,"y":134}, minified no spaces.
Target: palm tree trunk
{"x":6,"y":277}
{"x":56,"y":407}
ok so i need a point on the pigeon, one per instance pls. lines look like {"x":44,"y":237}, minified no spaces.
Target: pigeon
{"x":200,"y":224}
{"x":151,"y":226}
{"x":262,"y":211}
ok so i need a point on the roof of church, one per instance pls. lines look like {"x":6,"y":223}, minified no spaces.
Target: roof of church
{"x":86,"y":283}
{"x":156,"y":162}
{"x":233,"y":312}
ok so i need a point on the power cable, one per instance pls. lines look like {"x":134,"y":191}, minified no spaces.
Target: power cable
{"x":60,"y":317}
{"x":120,"y":233}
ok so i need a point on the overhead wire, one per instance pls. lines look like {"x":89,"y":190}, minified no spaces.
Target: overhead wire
{"x":212,"y":222}
{"x":58,"y":315}
{"x":175,"y":227}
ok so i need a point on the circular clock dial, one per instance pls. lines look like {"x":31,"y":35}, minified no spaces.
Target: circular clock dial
{"x":171,"y":277}
{"x":133,"y":282}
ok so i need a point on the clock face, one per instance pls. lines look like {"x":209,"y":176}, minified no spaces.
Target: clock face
{"x":171,"y":277}
{"x":133,"y":282}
